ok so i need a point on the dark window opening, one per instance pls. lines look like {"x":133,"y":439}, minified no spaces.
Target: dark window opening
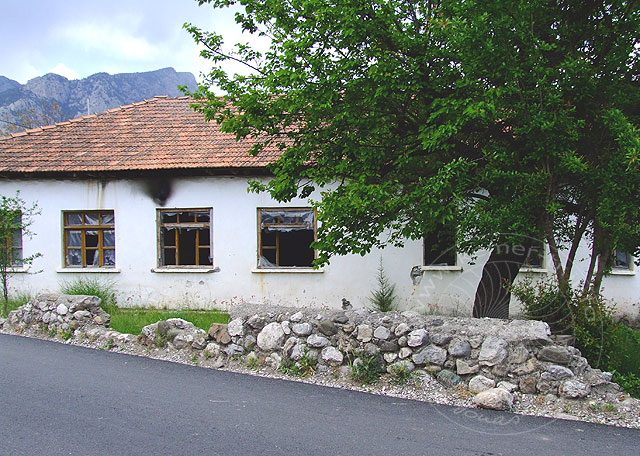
{"x":285,"y":237}
{"x":622,"y":260}
{"x":440,"y":247}
{"x":185,"y":237}
{"x":535,"y":256}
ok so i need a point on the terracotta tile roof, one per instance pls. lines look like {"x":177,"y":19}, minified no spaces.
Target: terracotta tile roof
{"x":157,"y":134}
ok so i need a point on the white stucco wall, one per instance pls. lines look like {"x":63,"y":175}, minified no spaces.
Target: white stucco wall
{"x":234,"y":253}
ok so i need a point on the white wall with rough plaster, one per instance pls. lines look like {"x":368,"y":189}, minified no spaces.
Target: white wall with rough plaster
{"x":235,"y":254}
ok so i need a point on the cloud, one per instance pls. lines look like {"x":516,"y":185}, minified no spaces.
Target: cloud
{"x":109,"y":40}
{"x":65,"y":71}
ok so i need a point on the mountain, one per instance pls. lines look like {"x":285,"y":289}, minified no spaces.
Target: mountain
{"x":53,"y":98}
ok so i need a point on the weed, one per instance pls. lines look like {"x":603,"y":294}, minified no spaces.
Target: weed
{"x":400,"y":375}
{"x":366,"y":369}
{"x":595,"y":407}
{"x":110,"y":344}
{"x":91,"y":286}
{"x":383,"y":298}
{"x":65,"y":334}
{"x":253,"y":362}
{"x":194,"y":358}
{"x":52,"y":331}
{"x":301,"y":368}
{"x":15,"y":302}
{"x":609,"y":407}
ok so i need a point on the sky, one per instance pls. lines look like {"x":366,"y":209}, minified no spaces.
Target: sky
{"x":79,"y":38}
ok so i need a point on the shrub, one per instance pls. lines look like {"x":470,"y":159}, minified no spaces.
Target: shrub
{"x":605,"y":343}
{"x":105,"y":290}
{"x":383,"y":298}
{"x":366,"y":369}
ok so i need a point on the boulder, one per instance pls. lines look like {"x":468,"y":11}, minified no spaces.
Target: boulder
{"x":271,"y":337}
{"x":302,"y":329}
{"x":554,"y":354}
{"x":235,"y":327}
{"x":382,"y":333}
{"x":459,"y":348}
{"x":574,"y":389}
{"x":417,"y":338}
{"x":219,"y":333}
{"x":494,"y":399}
{"x":432,"y":354}
{"x":493,"y":351}
{"x":480,"y":383}
{"x":448,"y":379}
{"x":332,"y":356}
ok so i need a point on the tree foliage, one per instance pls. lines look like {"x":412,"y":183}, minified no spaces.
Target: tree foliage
{"x":510,"y":119}
{"x":15,"y":218}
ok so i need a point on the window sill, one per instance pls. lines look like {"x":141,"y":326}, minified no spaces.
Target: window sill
{"x":441,"y":268}
{"x":293,"y":270}
{"x":88,"y":270}
{"x":534,"y":270}
{"x":623,"y":272}
{"x":183,"y":270}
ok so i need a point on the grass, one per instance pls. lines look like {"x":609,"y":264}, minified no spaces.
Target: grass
{"x":14,"y":302}
{"x":132,"y":320}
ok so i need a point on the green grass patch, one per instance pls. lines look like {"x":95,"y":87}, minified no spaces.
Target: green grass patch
{"x":14,"y":302}
{"x":131,"y":321}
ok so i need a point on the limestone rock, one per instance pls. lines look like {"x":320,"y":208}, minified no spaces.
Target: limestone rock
{"x":235,"y":327}
{"x":441,"y":338}
{"x":402,"y":329}
{"x":327,"y":327}
{"x":464,"y":368}
{"x":390,"y":357}
{"x":256,"y":322}
{"x":493,"y":351}
{"x":417,"y":338}
{"x":382,"y":333}
{"x":316,"y":341}
{"x":296,"y":317}
{"x":507,"y":386}
{"x":494,"y":399}
{"x":364,"y":333}
{"x":528,"y":385}
{"x":233,"y":350}
{"x":219,"y":333}
{"x":274,"y":360}
{"x":432,"y":354}
{"x":554,"y":354}
{"x":403,"y":364}
{"x":331,"y":355}
{"x":574,"y":389}
{"x":302,"y":329}
{"x":271,"y":337}
{"x":459,"y":348}
{"x":341,"y":319}
{"x":480,"y":383}
{"x":559,"y":372}
{"x":405,"y":352}
{"x":62,"y":309}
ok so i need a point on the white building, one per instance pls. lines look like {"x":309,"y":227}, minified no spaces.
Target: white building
{"x":153,"y":199}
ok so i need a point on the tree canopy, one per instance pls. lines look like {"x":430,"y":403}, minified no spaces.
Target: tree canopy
{"x":508,"y":119}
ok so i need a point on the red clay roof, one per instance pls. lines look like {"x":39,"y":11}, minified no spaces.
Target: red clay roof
{"x":158,"y":134}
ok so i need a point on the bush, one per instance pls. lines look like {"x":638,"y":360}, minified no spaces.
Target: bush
{"x":607,"y":344}
{"x":366,"y":369}
{"x":384,"y":297}
{"x":92,"y":287}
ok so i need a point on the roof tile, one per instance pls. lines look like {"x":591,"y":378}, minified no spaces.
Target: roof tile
{"x":160,"y":133}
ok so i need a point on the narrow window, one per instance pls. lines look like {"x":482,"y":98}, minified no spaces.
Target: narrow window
{"x":185,"y":237}
{"x":440,"y":247}
{"x":622,"y":260}
{"x":285,"y":237}
{"x":12,"y":248}
{"x":89,"y":239}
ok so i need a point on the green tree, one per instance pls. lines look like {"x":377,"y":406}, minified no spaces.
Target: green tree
{"x":508,"y":119}
{"x":15,"y":218}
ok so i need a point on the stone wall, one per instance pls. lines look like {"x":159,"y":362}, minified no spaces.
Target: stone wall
{"x":491,"y":358}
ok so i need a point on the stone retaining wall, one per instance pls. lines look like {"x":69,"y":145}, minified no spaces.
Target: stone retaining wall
{"x":492,"y":358}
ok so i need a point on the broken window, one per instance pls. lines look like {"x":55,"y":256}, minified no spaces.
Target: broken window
{"x":439,"y":247}
{"x":622,"y":260}
{"x":285,"y":237}
{"x":535,"y":256}
{"x":185,"y":237}
{"x":89,"y":239}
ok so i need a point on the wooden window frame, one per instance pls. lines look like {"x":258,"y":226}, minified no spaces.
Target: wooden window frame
{"x":454,"y":247}
{"x":15,"y":261}
{"x":179,"y":224}
{"x":630,"y":264}
{"x":83,"y":228}
{"x":277,"y":246}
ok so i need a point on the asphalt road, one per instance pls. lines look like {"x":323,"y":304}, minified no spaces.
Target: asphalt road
{"x":65,"y":400}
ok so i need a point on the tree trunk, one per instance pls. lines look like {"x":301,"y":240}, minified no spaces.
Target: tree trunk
{"x":499,"y":272}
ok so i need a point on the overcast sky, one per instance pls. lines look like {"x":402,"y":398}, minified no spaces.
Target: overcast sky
{"x":78,"y":38}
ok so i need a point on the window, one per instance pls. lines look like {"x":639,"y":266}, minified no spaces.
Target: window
{"x":185,"y":237}
{"x":285,"y":237}
{"x":622,"y":260}
{"x":89,"y":239}
{"x":13,"y":243}
{"x":439,"y":247}
{"x":535,"y":257}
